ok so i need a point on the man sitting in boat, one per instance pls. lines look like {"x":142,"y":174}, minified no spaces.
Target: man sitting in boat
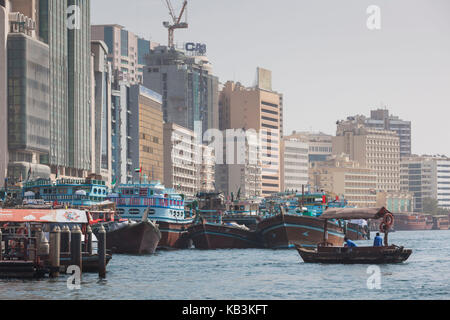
{"x":378,"y":241}
{"x":349,"y":243}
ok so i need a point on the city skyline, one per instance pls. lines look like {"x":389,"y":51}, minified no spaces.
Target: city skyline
{"x":331,"y":62}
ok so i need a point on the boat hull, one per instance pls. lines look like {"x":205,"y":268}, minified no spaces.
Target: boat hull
{"x":137,"y":238}
{"x":355,"y":255}
{"x":174,"y":236}
{"x":215,"y":236}
{"x":284,"y":231}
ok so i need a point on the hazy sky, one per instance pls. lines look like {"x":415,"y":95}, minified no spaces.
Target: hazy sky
{"x":323,"y":58}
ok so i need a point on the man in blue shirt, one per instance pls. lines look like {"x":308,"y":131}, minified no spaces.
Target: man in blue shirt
{"x":378,"y":241}
{"x":349,"y":243}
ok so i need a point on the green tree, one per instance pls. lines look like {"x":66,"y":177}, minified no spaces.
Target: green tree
{"x":431,"y":206}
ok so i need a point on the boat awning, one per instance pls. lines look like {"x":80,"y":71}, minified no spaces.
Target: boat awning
{"x":354,"y":213}
{"x":43,"y":216}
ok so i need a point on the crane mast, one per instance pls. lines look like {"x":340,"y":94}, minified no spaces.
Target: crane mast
{"x":177,"y":24}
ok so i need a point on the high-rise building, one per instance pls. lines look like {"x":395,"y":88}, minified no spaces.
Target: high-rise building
{"x":147,"y":133}
{"x":79,"y":90}
{"x":378,"y":150}
{"x":343,"y":177}
{"x":261,"y":109}
{"x":70,"y":75}
{"x":294,"y":163}
{"x":182,"y":159}
{"x":4,"y":27}
{"x":187,"y":85}
{"x":380,"y":119}
{"x":122,"y":164}
{"x":28,"y":101}
{"x":427,"y":177}
{"x":127,"y":51}
{"x":101,"y":112}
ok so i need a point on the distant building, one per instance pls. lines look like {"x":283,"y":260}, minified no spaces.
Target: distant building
{"x":396,"y":202}
{"x":28,"y":101}
{"x":207,"y":170}
{"x":320,"y":145}
{"x":426,"y":177}
{"x":182,"y":159}
{"x":346,"y":178}
{"x":70,"y":90}
{"x":147,"y":133}
{"x":101,"y":118}
{"x":127,"y":51}
{"x":4,"y":27}
{"x":244,"y":174}
{"x":187,"y":85}
{"x":294,"y":163}
{"x":378,"y":150}
{"x":380,"y":119}
{"x":122,"y":164}
{"x":261,"y":109}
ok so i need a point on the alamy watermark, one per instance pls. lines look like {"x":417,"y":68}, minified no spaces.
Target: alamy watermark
{"x":374,"y":280}
{"x":374,"y":18}
{"x":74,"y":280}
{"x":73,"y":21}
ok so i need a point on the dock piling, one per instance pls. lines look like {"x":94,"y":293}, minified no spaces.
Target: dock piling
{"x":89,"y":240}
{"x":65,"y":240}
{"x":101,"y":237}
{"x":76,"y":247}
{"x":1,"y":245}
{"x":54,"y":251}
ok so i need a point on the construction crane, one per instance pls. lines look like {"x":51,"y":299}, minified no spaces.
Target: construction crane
{"x":177,"y":24}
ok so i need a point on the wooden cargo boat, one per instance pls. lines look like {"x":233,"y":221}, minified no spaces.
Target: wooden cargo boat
{"x":408,"y":222}
{"x":223,"y":236}
{"x":166,"y":209}
{"x":285,"y":230}
{"x":327,"y":253}
{"x":440,"y":222}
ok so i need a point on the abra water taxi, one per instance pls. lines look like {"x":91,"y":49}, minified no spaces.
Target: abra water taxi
{"x":328,"y":252}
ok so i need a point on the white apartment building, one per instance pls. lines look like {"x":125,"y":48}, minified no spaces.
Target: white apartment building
{"x":294,"y":163}
{"x":426,"y":177}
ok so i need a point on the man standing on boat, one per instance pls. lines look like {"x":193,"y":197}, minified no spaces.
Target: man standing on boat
{"x":349,"y":243}
{"x":378,"y":241}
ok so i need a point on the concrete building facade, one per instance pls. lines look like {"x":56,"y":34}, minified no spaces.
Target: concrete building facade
{"x":320,"y":144}
{"x":182,"y":159}
{"x":346,"y":178}
{"x":4,"y":27}
{"x":426,"y":177}
{"x":122,"y":164}
{"x":127,"y":51}
{"x":380,"y":119}
{"x":378,"y":150}
{"x":187,"y":85}
{"x":101,"y":112}
{"x":260,"y":109}
{"x":294,"y":163}
{"x":28,"y":101}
